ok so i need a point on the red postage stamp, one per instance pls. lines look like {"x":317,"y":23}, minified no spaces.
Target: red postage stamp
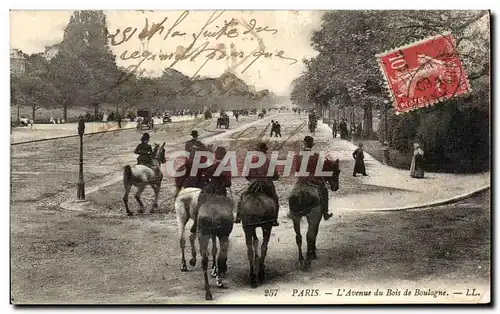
{"x":424,"y":73}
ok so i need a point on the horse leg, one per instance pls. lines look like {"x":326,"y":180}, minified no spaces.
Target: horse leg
{"x":125,"y":198}
{"x":192,"y":241}
{"x":298,"y":239}
{"x":250,"y":253}
{"x":312,"y":232}
{"x":156,"y":189}
{"x":140,"y":189}
{"x":181,"y":223}
{"x":255,"y":242}
{"x":266,"y":235}
{"x":204,"y":239}
{"x":222,"y":259}
{"x":214,"y":256}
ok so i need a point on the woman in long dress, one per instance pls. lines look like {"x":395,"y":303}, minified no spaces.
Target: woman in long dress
{"x":359,"y":165}
{"x":417,"y":167}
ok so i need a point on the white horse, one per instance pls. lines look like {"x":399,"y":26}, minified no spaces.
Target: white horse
{"x":186,"y":207}
{"x":142,"y":176}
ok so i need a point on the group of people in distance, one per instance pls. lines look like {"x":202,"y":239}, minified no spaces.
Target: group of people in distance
{"x":213,"y":184}
{"x":275,"y":129}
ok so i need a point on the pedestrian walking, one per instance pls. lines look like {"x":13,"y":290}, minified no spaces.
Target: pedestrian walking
{"x":359,"y":157}
{"x":277,"y":129}
{"x":334,"y":129}
{"x":416,"y":168}
{"x":273,"y":128}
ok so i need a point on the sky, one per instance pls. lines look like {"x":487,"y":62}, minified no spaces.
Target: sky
{"x":286,"y":40}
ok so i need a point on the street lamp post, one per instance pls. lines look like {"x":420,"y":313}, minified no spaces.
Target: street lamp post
{"x":386,"y":102}
{"x":81,"y":183}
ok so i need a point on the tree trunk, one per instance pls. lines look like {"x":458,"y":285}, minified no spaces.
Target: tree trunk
{"x":65,"y":112}
{"x":96,"y":111}
{"x":33,"y":108}
{"x":18,"y":117}
{"x":367,"y":121}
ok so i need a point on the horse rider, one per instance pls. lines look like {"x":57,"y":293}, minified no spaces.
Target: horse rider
{"x":311,"y":178}
{"x":266,"y":182}
{"x":191,"y":180}
{"x":194,"y":143}
{"x":145,"y":152}
{"x":215,"y":184}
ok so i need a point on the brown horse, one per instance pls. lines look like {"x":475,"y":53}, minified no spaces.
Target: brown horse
{"x":142,"y":176}
{"x":257,"y":209}
{"x":215,"y":220}
{"x":305,"y":201}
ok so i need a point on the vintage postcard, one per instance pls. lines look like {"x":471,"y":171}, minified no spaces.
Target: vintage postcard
{"x":250,"y":157}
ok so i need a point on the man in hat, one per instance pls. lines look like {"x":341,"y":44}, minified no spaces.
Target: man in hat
{"x":260,"y":175}
{"x":311,"y":178}
{"x":194,"y":143}
{"x":144,"y":151}
{"x":195,"y":180}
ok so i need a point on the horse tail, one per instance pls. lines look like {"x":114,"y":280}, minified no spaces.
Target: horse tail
{"x":127,"y":173}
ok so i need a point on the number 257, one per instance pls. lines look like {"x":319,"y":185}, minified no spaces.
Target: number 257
{"x":270,"y":292}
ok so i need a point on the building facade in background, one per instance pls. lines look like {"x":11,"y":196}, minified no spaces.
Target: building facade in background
{"x":17,"y":62}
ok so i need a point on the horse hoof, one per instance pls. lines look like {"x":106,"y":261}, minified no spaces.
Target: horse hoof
{"x":208,"y":296}
{"x":262,"y":276}
{"x":307,"y":264}
{"x":300,"y":264}
{"x":184,"y":268}
{"x":220,"y":285}
{"x":192,"y":262}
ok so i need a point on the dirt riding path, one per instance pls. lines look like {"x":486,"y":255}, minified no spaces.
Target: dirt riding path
{"x":106,"y":257}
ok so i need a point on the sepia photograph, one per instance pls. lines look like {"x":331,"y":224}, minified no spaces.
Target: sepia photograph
{"x":248,"y":157}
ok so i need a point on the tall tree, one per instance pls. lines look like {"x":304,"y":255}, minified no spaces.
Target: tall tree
{"x":84,"y":68}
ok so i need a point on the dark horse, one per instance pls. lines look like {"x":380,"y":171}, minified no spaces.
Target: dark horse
{"x":305,"y":201}
{"x":257,"y":210}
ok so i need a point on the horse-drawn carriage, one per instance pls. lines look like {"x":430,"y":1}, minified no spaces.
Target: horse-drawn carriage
{"x":223,"y":120}
{"x":144,"y":119}
{"x":167,"y":118}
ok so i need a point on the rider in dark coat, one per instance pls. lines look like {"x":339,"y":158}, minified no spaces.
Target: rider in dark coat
{"x":259,"y":175}
{"x":144,"y":151}
{"x":194,"y":143}
{"x":216,"y":184}
{"x":312,"y":178}
{"x":188,"y":179}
